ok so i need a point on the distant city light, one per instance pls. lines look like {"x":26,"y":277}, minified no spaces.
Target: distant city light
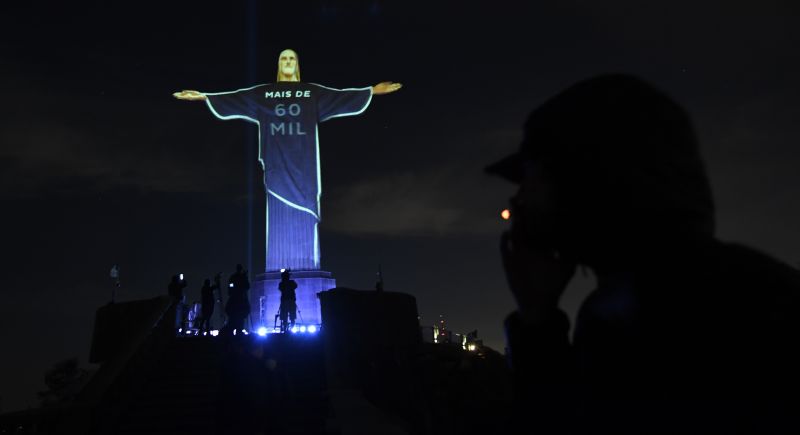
{"x":180,"y":329}
{"x":188,"y":332}
{"x":244,"y":331}
{"x":214,"y":332}
{"x":262,"y":331}
{"x":230,"y":285}
{"x":505,"y":214}
{"x":312,"y":329}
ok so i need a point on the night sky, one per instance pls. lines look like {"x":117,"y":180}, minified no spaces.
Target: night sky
{"x":101,"y":165}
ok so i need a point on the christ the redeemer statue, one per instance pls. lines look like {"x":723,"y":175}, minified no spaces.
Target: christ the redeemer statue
{"x":287,"y":114}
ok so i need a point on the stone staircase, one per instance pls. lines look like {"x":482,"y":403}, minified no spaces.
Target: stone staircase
{"x":181,"y":396}
{"x":244,"y":384}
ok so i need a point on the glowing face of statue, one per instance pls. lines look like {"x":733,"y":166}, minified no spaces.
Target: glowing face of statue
{"x":287,"y":65}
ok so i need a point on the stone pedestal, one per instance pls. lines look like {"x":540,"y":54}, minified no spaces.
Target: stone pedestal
{"x":266,"y":298}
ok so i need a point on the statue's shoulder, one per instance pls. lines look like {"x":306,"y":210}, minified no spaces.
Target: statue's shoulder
{"x":319,"y":86}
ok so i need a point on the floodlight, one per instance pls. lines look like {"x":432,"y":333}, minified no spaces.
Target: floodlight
{"x":312,"y":329}
{"x":262,"y":331}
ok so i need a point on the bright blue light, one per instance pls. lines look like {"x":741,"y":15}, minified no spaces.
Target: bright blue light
{"x":312,"y":329}
{"x":303,"y":328}
{"x":294,"y":329}
{"x":262,"y":331}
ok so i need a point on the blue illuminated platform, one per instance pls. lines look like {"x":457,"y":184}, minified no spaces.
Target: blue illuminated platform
{"x":262,"y":331}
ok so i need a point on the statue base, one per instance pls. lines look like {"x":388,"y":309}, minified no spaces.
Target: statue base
{"x":266,"y":297}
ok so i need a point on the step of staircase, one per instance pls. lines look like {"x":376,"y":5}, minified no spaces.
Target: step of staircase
{"x":187,"y":391}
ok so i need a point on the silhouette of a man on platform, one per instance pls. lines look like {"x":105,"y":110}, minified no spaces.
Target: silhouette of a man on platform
{"x":238,"y":306}
{"x":288,"y":310}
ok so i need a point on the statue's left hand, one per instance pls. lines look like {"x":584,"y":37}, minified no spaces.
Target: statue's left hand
{"x":190,"y":95}
{"x":386,"y":88}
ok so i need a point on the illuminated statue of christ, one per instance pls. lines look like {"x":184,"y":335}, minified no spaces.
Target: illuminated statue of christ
{"x":287,"y":114}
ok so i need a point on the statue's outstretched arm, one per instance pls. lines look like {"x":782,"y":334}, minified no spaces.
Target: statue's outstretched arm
{"x":386,"y":88}
{"x":190,"y":95}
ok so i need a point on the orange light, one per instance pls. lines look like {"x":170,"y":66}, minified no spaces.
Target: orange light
{"x":505,"y":214}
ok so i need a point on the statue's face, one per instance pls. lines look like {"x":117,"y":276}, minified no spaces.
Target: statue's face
{"x":288,"y":63}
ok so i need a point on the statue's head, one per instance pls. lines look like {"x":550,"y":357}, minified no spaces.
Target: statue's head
{"x":288,"y":66}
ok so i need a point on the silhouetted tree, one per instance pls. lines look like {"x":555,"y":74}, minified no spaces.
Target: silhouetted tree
{"x":63,"y":382}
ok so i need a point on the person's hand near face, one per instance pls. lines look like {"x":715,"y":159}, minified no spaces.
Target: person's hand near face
{"x":537,"y":272}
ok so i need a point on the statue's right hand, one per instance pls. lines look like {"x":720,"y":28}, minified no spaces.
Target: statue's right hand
{"x":190,"y":95}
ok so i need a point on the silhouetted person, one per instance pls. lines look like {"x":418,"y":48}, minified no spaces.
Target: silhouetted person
{"x":207,"y":300}
{"x":114,"y":275}
{"x":175,"y":290}
{"x":288,"y":309}
{"x":238,"y":306}
{"x":379,"y":280}
{"x":218,"y":284}
{"x":684,"y":333}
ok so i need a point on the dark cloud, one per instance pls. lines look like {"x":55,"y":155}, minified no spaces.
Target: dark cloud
{"x":432,"y":202}
{"x":60,"y":141}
